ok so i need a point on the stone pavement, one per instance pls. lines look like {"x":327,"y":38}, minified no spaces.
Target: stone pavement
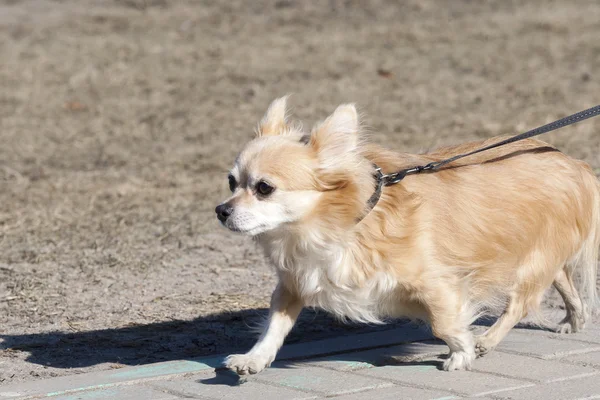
{"x":401,"y":363}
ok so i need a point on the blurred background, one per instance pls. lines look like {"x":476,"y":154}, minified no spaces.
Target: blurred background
{"x":120,"y":118}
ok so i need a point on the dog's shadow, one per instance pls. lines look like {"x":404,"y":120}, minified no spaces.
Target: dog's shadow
{"x":222,"y":333}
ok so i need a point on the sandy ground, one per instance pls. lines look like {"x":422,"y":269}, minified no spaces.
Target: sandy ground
{"x":119,"y":120}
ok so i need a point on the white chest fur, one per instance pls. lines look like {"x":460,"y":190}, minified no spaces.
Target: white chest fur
{"x":331,"y":278}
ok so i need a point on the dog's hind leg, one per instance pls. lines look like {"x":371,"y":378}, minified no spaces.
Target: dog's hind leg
{"x":532,"y":279}
{"x":514,"y":312}
{"x":450,"y":319}
{"x":574,"y":321}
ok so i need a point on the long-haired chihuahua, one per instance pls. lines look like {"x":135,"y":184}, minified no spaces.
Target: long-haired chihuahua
{"x":491,"y":232}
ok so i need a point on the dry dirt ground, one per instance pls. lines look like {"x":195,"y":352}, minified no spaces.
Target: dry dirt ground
{"x":119,"y":120}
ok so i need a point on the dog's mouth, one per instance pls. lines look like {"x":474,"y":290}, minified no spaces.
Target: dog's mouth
{"x":253,"y":231}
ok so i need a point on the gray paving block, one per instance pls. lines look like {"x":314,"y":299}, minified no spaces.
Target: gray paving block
{"x":428,"y":375}
{"x":522,"y":367}
{"x":226,"y":385}
{"x":105,"y":379}
{"x":589,"y":359}
{"x":347,"y":362}
{"x":404,"y":334}
{"x":379,"y":357}
{"x":590,"y":334}
{"x":583,"y":388}
{"x":319,"y":380}
{"x":120,"y":393}
{"x":472,"y":398}
{"x":399,"y":392}
{"x":546,"y":346}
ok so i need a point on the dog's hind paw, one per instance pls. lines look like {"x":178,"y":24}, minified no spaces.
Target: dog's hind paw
{"x":571,"y":324}
{"x":483,"y":345}
{"x":481,"y":349}
{"x":564,"y":328}
{"x":458,"y":361}
{"x":244,"y":364}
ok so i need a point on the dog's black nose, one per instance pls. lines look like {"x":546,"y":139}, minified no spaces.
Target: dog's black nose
{"x":223,"y":212}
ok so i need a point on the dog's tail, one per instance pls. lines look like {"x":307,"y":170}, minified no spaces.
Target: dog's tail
{"x":586,"y":265}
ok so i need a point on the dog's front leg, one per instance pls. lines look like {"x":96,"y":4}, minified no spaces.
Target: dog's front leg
{"x":285,"y":308}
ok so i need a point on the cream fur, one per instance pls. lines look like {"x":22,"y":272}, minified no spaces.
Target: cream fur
{"x":492,"y":231}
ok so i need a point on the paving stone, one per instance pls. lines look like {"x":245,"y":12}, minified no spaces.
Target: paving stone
{"x":582,"y":388}
{"x":226,"y":385}
{"x":120,"y":393}
{"x":543,"y":346}
{"x":428,"y":375}
{"x":381,"y":356}
{"x":106,"y":379}
{"x":591,"y":334}
{"x":589,"y":359}
{"x":404,"y":334}
{"x":319,"y":380}
{"x":522,"y":367}
{"x":399,"y":392}
{"x":474,"y":398}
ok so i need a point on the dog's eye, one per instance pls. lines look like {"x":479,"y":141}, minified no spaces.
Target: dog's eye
{"x":232,"y":183}
{"x":264,"y":189}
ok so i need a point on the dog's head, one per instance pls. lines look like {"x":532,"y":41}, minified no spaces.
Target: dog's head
{"x":284,"y":176}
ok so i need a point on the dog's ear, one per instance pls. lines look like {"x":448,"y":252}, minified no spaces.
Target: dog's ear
{"x":275,"y":120}
{"x":334,"y":138}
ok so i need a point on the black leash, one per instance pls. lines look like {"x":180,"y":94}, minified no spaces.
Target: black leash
{"x":390,"y":179}
{"x":393,"y":178}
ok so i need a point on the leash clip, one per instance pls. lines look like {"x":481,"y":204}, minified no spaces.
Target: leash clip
{"x":391,"y":179}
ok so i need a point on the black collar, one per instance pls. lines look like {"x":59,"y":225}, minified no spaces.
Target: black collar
{"x":381,"y":181}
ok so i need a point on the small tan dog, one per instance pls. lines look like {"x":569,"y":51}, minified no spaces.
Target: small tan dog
{"x":493,"y":231}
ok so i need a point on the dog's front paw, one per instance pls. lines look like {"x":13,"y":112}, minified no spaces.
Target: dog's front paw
{"x":244,"y":364}
{"x":458,"y":361}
